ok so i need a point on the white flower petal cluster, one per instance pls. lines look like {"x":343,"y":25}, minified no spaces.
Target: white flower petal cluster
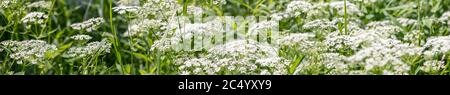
{"x":140,"y":28}
{"x":35,"y":17}
{"x":437,"y":45}
{"x":126,"y":9}
{"x":40,"y":4}
{"x":90,"y":50}
{"x":28,"y":51}
{"x":238,"y":57}
{"x":81,"y":37}
{"x":89,"y":25}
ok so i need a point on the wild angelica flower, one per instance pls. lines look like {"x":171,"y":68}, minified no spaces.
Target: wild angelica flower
{"x":89,"y":25}
{"x":161,"y":8}
{"x":28,"y":51}
{"x":140,"y":28}
{"x":90,"y":50}
{"x":303,"y":42}
{"x":165,"y":44}
{"x":81,"y":37}
{"x":35,"y":17}
{"x":385,"y":54}
{"x":126,"y":9}
{"x":437,"y":45}
{"x":7,"y":3}
{"x":445,"y":16}
{"x":324,"y":63}
{"x":238,"y":57}
{"x":431,"y":66}
{"x":413,"y":36}
{"x":296,"y":8}
{"x":128,"y":2}
{"x":321,"y":24}
{"x":40,"y":4}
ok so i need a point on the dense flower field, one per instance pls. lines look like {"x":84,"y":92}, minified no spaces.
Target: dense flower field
{"x":224,"y":37}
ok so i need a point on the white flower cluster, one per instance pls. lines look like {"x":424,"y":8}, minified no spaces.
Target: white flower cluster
{"x":414,"y":36}
{"x":81,"y":37}
{"x":161,"y":8}
{"x":321,"y":24}
{"x":361,"y":38}
{"x":128,"y":2}
{"x":35,"y":17}
{"x":89,"y":25}
{"x":432,"y":66}
{"x":140,"y":28}
{"x":437,"y":45}
{"x":298,"y":7}
{"x":302,"y":41}
{"x":90,"y":50}
{"x":165,"y":44}
{"x":28,"y":51}
{"x":7,"y":3}
{"x":237,"y":57}
{"x":383,"y":56}
{"x":445,"y":17}
{"x":40,"y":4}
{"x":126,"y":9}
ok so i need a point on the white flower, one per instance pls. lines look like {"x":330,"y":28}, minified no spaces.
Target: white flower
{"x":165,"y":44}
{"x":438,"y":44}
{"x":161,"y":8}
{"x":240,"y":57}
{"x":89,"y":25}
{"x":321,"y":24}
{"x":35,"y":17}
{"x":126,"y":9}
{"x":302,"y":41}
{"x":140,"y":28}
{"x":298,"y":7}
{"x":31,"y":51}
{"x":90,"y":50}
{"x":128,"y":2}
{"x":432,"y":66}
{"x":445,"y":16}
{"x":40,"y":4}
{"x":81,"y":37}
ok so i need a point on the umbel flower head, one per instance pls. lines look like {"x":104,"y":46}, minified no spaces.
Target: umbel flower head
{"x":81,"y":37}
{"x":90,"y":50}
{"x":126,"y":9}
{"x":40,"y":4}
{"x":237,"y":57}
{"x":35,"y":18}
{"x":89,"y":25}
{"x":28,"y":51}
